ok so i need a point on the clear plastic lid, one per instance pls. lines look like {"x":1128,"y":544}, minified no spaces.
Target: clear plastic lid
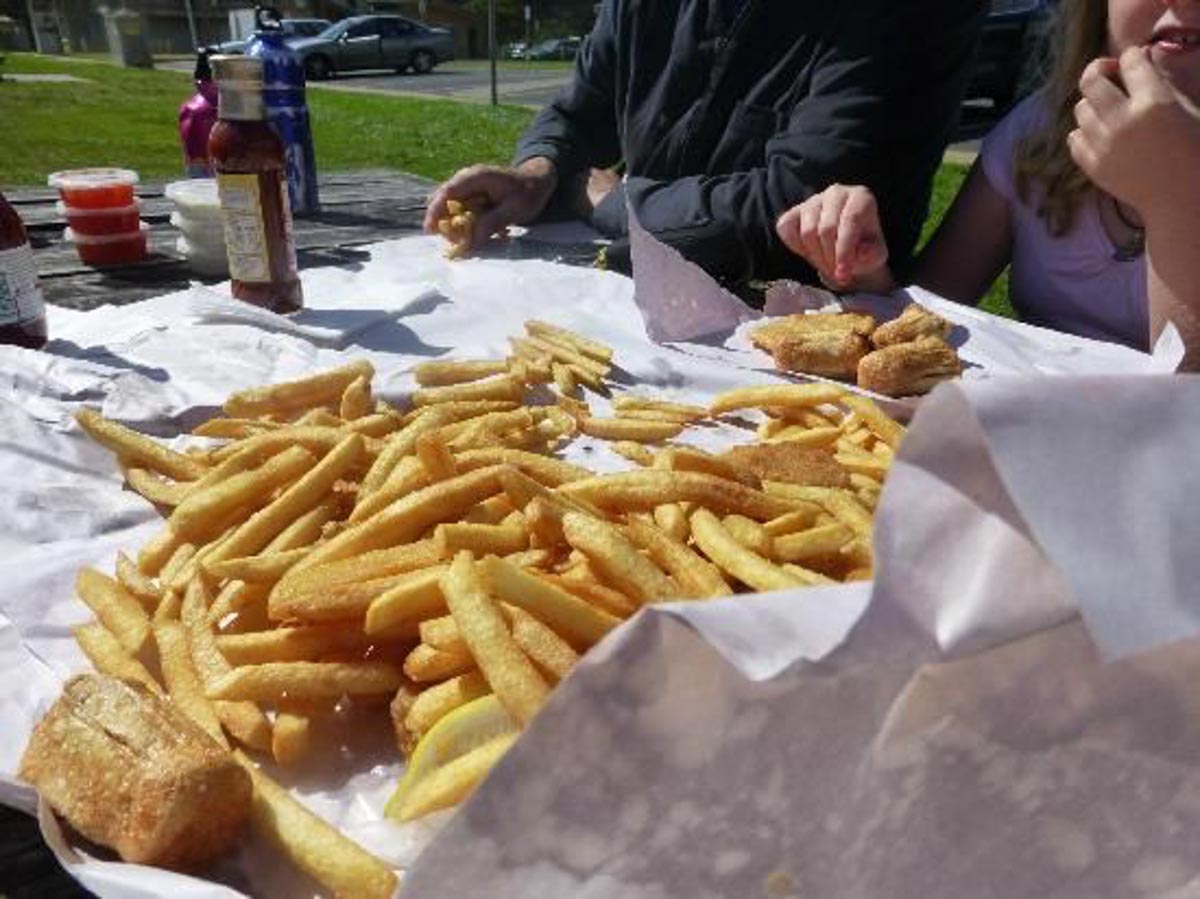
{"x":92,"y":179}
{"x":64,"y":210}
{"x":195,"y":195}
{"x":88,"y":239}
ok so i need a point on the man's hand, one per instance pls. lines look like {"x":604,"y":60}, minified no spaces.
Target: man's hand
{"x":1137,"y":139}
{"x":498,"y":196}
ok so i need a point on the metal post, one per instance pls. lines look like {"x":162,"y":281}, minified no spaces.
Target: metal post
{"x":191,"y":17}
{"x":528,"y":24}
{"x":33,"y":28}
{"x":492,"y":47}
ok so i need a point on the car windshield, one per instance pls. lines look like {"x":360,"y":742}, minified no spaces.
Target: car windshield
{"x":551,"y":44}
{"x":307,"y":29}
{"x":333,"y":31}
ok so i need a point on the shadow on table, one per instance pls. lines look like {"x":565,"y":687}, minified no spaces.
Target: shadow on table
{"x":100,"y":355}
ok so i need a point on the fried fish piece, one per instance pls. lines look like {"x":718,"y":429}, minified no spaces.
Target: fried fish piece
{"x":789,"y":463}
{"x":769,"y":335}
{"x":830,"y":354}
{"x":908,"y":369}
{"x":130,"y":771}
{"x":912,"y":324}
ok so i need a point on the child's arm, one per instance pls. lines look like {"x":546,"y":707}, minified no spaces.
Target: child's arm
{"x":839,"y":232}
{"x":1139,"y":141}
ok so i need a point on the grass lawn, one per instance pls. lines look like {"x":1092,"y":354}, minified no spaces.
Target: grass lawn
{"x":127,"y":117}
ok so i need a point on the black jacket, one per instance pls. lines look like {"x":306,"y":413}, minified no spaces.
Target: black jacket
{"x":721,"y":126}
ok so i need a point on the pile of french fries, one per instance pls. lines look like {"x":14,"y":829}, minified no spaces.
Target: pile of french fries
{"x":323,"y":548}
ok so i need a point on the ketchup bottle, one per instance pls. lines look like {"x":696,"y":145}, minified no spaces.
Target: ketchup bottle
{"x":248,"y":159}
{"x":22,"y":310}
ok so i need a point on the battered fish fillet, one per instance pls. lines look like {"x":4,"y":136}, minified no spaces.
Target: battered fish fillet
{"x":130,"y":771}
{"x":831,"y":354}
{"x":769,"y":335}
{"x":789,"y":463}
{"x":908,"y":369}
{"x":912,"y":324}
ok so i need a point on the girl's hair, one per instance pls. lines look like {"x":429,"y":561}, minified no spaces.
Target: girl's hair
{"x":1043,"y":166}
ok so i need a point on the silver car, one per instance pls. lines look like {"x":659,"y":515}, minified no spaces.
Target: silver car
{"x":375,"y":42}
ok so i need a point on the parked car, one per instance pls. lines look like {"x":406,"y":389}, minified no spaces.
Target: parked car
{"x":555,"y":48}
{"x":517,"y":50}
{"x":1010,"y":50}
{"x":293,"y":29}
{"x":375,"y":42}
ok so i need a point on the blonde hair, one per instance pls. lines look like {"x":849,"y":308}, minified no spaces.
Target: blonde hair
{"x":1080,"y":34}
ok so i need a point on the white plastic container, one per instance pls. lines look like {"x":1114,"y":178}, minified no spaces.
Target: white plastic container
{"x":204,"y":260}
{"x":199,"y":231}
{"x":196,"y":200}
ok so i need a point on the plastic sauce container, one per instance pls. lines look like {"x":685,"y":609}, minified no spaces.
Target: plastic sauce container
{"x":209,"y":261}
{"x":101,"y":222}
{"x":196,"y":200}
{"x":111,"y":249}
{"x":99,"y":188}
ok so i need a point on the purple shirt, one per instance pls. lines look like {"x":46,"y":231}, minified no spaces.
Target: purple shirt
{"x":1071,"y":283}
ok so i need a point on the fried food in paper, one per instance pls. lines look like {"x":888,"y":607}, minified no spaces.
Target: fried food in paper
{"x":790,"y":327}
{"x":790,"y":464}
{"x":130,"y":771}
{"x":909,"y":369}
{"x":830,"y":354}
{"x":912,"y":324}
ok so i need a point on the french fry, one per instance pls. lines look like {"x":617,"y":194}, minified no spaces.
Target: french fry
{"x":454,"y":781}
{"x":788,"y":396}
{"x":585,"y":345}
{"x":183,"y":683}
{"x":634,"y":452}
{"x":442,"y":633}
{"x":873,"y":467}
{"x":291,"y":737}
{"x":202,"y":513}
{"x":237,"y":597}
{"x":681,"y":458}
{"x":750,"y":534}
{"x":338,"y":603}
{"x":234,"y":428}
{"x":791,"y":522}
{"x":654,"y":415}
{"x":673,"y":520}
{"x":356,"y":400}
{"x":315,"y":847}
{"x":120,"y":613}
{"x":503,"y":388}
{"x":584,"y":367}
{"x":549,"y":652}
{"x":506,"y":668}
{"x":157,"y":490}
{"x":415,"y":598}
{"x":696,"y":576}
{"x":546,"y":470}
{"x":809,"y":437}
{"x":264,"y":569}
{"x":444,"y":374}
{"x":292,"y":644}
{"x":168,"y":607}
{"x":137,"y":449}
{"x":436,"y":702}
{"x":435,"y":457}
{"x":322,"y":389}
{"x":748,"y":567}
{"x":627,"y":402}
{"x":880,"y":423}
{"x":617,"y":560}
{"x":426,"y":664}
{"x":564,"y":379}
{"x":373,"y":565}
{"x":481,"y":539}
{"x":137,"y":584}
{"x":273,"y":681}
{"x":184,"y":553}
{"x":816,"y":543}
{"x":107,"y":654}
{"x":317,"y":439}
{"x":630,"y":429}
{"x":380,"y":424}
{"x":808,"y":576}
{"x":587,"y":588}
{"x":643,"y":490}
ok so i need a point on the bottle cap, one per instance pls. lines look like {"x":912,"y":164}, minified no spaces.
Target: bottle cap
{"x":240,"y":72}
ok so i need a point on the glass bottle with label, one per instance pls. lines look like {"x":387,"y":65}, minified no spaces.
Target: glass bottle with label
{"x":22,"y":310}
{"x":248,"y":158}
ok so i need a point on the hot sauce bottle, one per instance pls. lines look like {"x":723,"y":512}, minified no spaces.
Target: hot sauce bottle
{"x":22,"y":310}
{"x":248,"y":159}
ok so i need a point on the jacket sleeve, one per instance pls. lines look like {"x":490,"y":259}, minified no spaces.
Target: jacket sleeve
{"x":884,"y":100}
{"x":578,"y":129}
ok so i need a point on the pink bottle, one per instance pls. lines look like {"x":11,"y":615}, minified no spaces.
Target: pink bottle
{"x":196,"y":119}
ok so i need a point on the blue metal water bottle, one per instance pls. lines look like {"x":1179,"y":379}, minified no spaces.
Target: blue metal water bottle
{"x":287,"y":108}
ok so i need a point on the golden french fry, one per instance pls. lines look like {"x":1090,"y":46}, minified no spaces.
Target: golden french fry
{"x":442,"y":633}
{"x":291,"y":644}
{"x":234,"y":428}
{"x":799,"y":520}
{"x":873,"y":467}
{"x":291,"y":737}
{"x":811,"y":578}
{"x":627,"y":402}
{"x":696,"y":576}
{"x":339,"y":603}
{"x":491,"y":511}
{"x":380,"y":424}
{"x":481,"y":539}
{"x":137,"y":584}
{"x":273,"y":681}
{"x":373,"y":565}
{"x":435,"y":457}
{"x":654,"y":415}
{"x":436,"y":702}
{"x":107,"y":654}
{"x":802,"y":436}
{"x":617,"y":560}
{"x":507,"y":669}
{"x":444,"y":374}
{"x":789,"y":396}
{"x":673,"y":520}
{"x":183,"y":683}
{"x":750,"y":534}
{"x":317,"y":439}
{"x":564,"y":379}
{"x":426,"y":664}
{"x":813,"y":544}
{"x":179,"y":561}
{"x":585,"y":345}
{"x":547,"y":471}
{"x":315,"y":847}
{"x":168,"y":607}
{"x":686,"y":458}
{"x":880,"y":423}
{"x":137,"y":449}
{"x":549,"y":652}
{"x":643,"y":490}
{"x":265,"y":569}
{"x":630,"y":429}
{"x":748,"y":567}
{"x":454,"y":781}
{"x":406,"y":477}
{"x":120,"y":613}
{"x":634,"y":452}
{"x":322,"y":389}
{"x":585,"y":586}
{"x":583,"y":367}
{"x":155,"y":489}
{"x":415,"y":598}
{"x":503,"y":388}
{"x":237,"y":597}
{"x":356,"y":400}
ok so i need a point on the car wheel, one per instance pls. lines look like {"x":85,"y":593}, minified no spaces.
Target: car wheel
{"x":318,"y":68}
{"x":423,"y":62}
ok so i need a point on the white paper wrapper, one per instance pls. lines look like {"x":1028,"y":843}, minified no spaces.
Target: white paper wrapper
{"x":705,"y":748}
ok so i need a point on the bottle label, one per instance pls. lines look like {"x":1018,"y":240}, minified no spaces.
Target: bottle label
{"x":20,"y":296}
{"x":245,"y":229}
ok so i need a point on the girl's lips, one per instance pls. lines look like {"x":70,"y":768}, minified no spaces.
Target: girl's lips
{"x":1175,"y":40}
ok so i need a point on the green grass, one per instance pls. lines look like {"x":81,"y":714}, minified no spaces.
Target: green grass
{"x":127,"y":117}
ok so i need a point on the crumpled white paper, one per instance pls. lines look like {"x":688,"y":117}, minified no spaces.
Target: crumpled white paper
{"x":725,"y":748}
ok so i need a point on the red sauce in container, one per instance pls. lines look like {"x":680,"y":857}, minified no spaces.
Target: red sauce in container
{"x":248,"y":158}
{"x":102,"y":222}
{"x":22,"y":310}
{"x":99,"y":188}
{"x":111,"y":249}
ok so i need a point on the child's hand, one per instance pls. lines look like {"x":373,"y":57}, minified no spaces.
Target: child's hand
{"x":838,"y":232}
{"x":1137,"y":139}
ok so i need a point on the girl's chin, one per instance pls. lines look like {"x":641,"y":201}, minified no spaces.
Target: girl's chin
{"x":1182,"y":70}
